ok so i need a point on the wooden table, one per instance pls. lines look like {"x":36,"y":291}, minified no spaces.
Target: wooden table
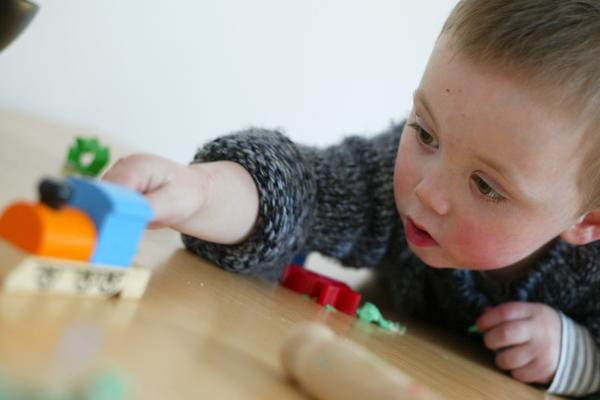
{"x":198,"y":332}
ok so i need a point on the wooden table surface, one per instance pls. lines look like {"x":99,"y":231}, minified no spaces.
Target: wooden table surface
{"x":198,"y":332}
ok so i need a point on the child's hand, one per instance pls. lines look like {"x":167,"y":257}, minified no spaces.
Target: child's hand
{"x":214,"y":201}
{"x":526,"y":337}
{"x":175,"y":191}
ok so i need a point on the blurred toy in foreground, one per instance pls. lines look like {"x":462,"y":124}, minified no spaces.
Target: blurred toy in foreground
{"x":110,"y":384}
{"x":329,"y":367}
{"x":80,"y":238}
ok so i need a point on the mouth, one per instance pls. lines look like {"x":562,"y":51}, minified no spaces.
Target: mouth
{"x":418,"y":236}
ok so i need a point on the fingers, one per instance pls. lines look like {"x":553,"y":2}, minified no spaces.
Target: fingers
{"x":540,"y":370}
{"x":526,"y":338}
{"x":162,"y":202}
{"x":518,"y":352}
{"x":506,"y":325}
{"x":515,"y":357}
{"x":141,"y":172}
{"x":179,"y":198}
{"x":527,"y":363}
{"x":508,"y":334}
{"x":152,"y":176}
{"x":126,"y":172}
{"x":505,"y":312}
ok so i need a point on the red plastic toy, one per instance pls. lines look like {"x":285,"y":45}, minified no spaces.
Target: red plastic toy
{"x":326,"y":290}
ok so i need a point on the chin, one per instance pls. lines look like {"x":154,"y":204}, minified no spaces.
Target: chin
{"x":433,"y":260}
{"x":439,"y":261}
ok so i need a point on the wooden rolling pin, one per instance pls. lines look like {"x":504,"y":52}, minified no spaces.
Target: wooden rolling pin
{"x":330,"y":368}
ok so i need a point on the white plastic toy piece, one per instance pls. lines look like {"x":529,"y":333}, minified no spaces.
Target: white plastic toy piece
{"x":23,"y":272}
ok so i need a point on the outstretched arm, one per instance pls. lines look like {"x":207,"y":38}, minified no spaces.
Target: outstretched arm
{"x":338,"y":200}
{"x":251,"y":201}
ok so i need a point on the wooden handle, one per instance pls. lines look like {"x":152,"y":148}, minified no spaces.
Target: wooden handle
{"x":329,"y":367}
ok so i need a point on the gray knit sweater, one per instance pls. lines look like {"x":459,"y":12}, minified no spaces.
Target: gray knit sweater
{"x":339,"y":201}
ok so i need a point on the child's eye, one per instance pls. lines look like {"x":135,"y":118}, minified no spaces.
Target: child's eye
{"x":486,"y":190}
{"x":424,"y":137}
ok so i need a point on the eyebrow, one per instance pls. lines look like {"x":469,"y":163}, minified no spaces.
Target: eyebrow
{"x":420,"y":96}
{"x":509,"y":178}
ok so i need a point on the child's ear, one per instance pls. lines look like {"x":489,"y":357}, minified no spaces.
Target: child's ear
{"x":585,"y":231}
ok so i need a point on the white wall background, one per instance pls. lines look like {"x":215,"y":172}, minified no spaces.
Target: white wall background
{"x":165,"y":76}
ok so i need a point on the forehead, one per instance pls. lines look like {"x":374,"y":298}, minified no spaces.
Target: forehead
{"x":482,"y":113}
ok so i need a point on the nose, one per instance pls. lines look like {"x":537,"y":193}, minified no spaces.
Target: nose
{"x":432,"y":193}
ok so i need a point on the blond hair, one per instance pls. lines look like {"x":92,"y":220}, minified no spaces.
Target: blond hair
{"x":555,"y":45}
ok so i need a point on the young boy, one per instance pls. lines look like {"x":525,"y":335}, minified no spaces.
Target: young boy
{"x":484,"y":207}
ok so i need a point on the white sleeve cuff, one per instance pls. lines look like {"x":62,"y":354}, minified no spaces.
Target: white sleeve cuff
{"x":578,"y":371}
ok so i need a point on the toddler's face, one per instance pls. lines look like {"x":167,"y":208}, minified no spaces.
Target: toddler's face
{"x":486,"y":171}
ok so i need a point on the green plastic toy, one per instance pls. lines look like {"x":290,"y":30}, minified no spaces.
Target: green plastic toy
{"x":87,"y":157}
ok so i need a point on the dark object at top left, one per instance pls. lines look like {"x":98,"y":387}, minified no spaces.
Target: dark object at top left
{"x":15,"y":15}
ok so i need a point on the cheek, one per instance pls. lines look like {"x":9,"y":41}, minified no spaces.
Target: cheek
{"x":492,"y":246}
{"x":404,"y":171}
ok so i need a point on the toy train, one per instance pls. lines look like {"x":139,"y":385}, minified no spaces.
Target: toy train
{"x":80,"y":238}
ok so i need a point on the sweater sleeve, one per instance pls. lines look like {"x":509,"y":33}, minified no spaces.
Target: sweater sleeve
{"x":578,"y":372}
{"x":338,"y":200}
